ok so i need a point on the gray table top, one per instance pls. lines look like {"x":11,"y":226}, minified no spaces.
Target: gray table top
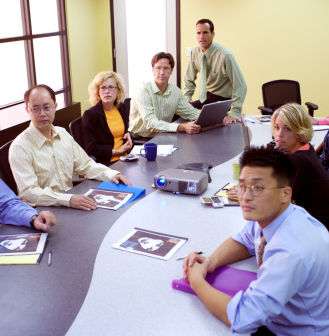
{"x":42,"y":300}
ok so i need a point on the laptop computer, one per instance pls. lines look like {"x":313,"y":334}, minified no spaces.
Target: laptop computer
{"x":245,"y":132}
{"x":212,"y":115}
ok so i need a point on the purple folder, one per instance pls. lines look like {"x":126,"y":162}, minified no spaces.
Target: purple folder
{"x":227,"y":279}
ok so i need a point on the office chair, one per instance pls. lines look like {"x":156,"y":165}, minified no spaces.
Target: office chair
{"x":127,"y":103}
{"x":5,"y":170}
{"x":279,"y":92}
{"x":76,"y":131}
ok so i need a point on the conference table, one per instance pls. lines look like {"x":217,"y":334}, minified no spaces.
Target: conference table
{"x":91,"y":288}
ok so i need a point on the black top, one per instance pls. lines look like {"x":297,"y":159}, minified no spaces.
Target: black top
{"x":311,"y":185}
{"x":97,"y":136}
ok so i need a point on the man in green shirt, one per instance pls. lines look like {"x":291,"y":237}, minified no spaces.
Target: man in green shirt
{"x":220,"y":75}
{"x":155,"y":103}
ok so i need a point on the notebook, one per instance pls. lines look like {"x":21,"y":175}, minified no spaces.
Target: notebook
{"x":212,"y":115}
{"x":245,"y":132}
{"x":227,"y":279}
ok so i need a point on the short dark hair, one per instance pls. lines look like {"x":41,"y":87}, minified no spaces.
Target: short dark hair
{"x":204,"y":21}
{"x":39,"y":86}
{"x":283,"y":167}
{"x":163,"y":54}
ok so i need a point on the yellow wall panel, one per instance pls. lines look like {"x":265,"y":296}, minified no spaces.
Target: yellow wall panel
{"x":271,"y":39}
{"x":90,"y":46}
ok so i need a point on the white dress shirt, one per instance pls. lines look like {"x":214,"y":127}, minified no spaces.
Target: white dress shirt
{"x":44,"y":169}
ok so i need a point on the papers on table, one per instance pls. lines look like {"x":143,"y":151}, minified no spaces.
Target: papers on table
{"x":266,"y":120}
{"x":227,"y":200}
{"x":320,"y":127}
{"x":163,"y":150}
{"x":150,"y":243}
{"x":109,"y":199}
{"x":258,"y":119}
{"x":20,"y":259}
{"x":22,"y":248}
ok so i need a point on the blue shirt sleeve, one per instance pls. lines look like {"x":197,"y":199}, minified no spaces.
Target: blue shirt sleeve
{"x":246,"y":237}
{"x":12,"y":209}
{"x":278,"y":280}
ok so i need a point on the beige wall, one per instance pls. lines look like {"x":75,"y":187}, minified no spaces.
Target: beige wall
{"x":271,"y":39}
{"x":90,"y":46}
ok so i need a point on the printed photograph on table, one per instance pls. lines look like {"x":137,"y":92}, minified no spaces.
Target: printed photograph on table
{"x":150,"y":243}
{"x":109,"y":199}
{"x":18,"y":244}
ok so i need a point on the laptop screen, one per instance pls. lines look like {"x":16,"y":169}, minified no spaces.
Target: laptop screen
{"x":214,"y":113}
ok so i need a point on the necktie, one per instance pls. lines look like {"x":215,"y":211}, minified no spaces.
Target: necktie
{"x":261,"y":248}
{"x":203,"y":80}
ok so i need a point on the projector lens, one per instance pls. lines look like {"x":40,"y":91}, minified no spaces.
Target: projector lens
{"x":161,"y":181}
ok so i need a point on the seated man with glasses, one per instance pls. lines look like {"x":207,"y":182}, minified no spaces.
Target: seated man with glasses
{"x":291,"y":293}
{"x":44,"y":158}
{"x":155,"y":103}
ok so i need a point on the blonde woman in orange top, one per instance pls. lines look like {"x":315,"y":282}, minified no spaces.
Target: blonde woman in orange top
{"x":105,"y":124}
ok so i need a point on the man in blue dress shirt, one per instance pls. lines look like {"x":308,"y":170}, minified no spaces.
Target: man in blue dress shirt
{"x":14,"y":211}
{"x":291,"y":293}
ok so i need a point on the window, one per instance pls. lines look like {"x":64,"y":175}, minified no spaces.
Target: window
{"x":136,"y":40}
{"x":33,"y":49}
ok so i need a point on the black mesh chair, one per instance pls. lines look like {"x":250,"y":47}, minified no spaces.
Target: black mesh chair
{"x":76,"y":131}
{"x":279,"y":92}
{"x":5,"y":170}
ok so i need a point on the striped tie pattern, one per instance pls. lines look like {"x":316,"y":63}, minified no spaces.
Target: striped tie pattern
{"x":261,"y":248}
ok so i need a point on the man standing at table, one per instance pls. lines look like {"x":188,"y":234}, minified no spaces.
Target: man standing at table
{"x":44,"y":158}
{"x":291,"y":293}
{"x":220,"y":75}
{"x":155,"y":103}
{"x":14,"y":211}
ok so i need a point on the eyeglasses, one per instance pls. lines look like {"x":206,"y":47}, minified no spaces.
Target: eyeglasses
{"x":37,"y":109}
{"x":254,"y":189}
{"x":164,"y":69}
{"x":105,"y":88}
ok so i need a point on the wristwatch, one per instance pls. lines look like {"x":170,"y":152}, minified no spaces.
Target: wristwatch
{"x":32,"y":221}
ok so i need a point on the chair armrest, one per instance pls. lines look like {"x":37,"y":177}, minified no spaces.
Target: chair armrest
{"x":311,"y":107}
{"x":265,"y":110}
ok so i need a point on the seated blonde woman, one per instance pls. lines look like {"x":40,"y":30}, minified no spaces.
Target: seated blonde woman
{"x":292,"y":131}
{"x":105,"y":124}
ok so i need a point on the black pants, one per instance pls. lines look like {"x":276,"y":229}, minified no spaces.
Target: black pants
{"x":211,"y":98}
{"x":263,"y":331}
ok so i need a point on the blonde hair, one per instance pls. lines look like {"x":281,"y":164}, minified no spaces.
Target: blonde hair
{"x":93,"y":87}
{"x":297,"y":119}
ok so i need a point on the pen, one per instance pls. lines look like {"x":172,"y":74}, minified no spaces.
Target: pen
{"x":222,"y":187}
{"x":49,"y":258}
{"x":181,"y":258}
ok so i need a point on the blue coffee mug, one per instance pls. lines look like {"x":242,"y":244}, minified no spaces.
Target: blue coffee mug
{"x":149,"y":151}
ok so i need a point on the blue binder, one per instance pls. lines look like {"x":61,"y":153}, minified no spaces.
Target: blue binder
{"x":137,"y":192}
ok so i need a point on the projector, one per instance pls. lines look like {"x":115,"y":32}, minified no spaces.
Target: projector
{"x":181,"y":181}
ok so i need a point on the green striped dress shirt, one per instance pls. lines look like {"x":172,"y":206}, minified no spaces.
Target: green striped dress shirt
{"x":224,"y":77}
{"x":152,"y":111}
